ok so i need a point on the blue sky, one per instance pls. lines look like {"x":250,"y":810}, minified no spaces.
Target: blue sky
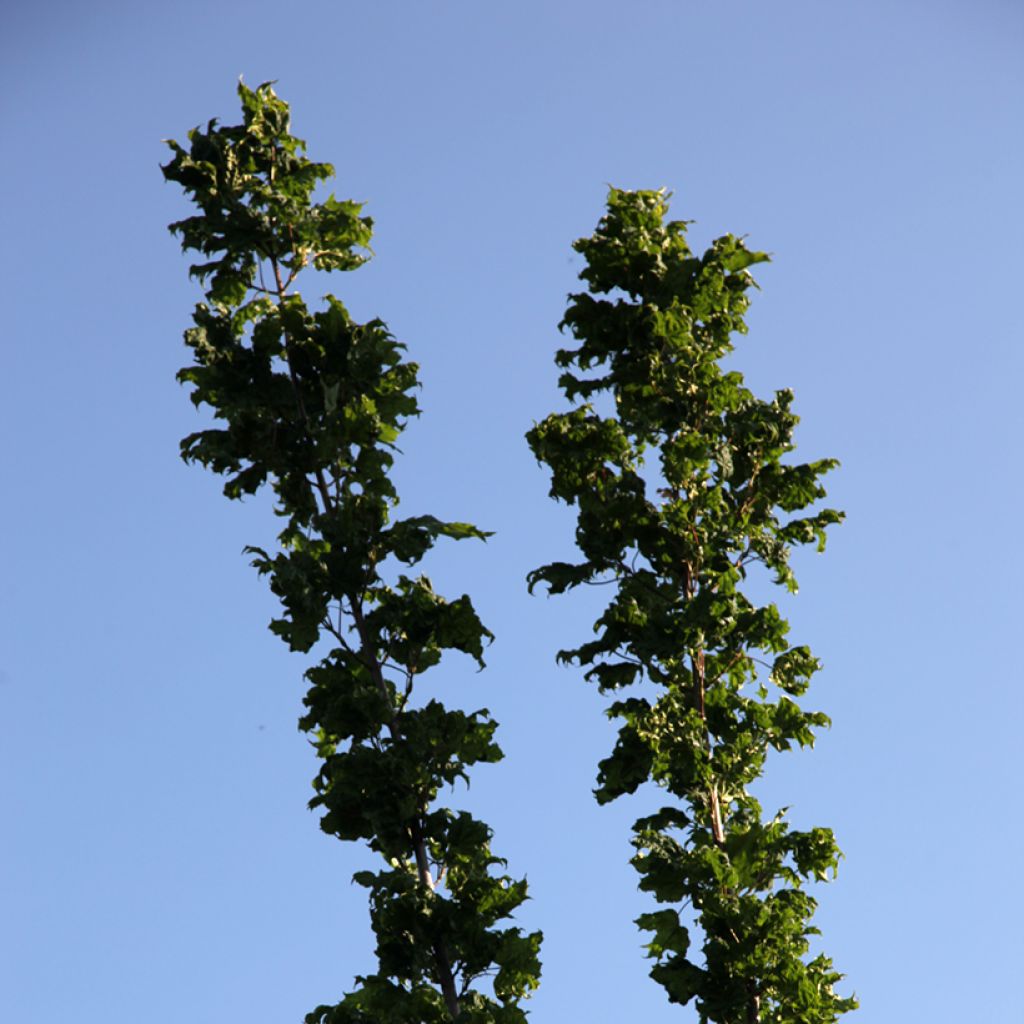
{"x":157,"y":859}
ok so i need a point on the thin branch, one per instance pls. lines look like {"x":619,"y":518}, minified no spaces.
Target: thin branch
{"x":321,"y":483}
{"x":732,"y":661}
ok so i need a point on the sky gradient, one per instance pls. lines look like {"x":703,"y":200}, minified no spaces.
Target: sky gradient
{"x":157,"y":860}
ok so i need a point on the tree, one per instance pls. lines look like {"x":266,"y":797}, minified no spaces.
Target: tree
{"x":312,"y":404}
{"x":681,"y":486}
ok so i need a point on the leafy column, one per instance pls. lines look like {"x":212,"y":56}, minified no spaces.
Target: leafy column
{"x":313,"y":403}
{"x":680,"y":478}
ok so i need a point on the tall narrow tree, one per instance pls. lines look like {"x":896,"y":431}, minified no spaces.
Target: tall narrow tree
{"x":681,"y":481}
{"x":313,"y":403}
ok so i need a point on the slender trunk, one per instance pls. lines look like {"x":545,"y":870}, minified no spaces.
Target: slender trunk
{"x":753,"y":1004}
{"x":714,"y":803}
{"x":697,"y":659}
{"x":442,"y":959}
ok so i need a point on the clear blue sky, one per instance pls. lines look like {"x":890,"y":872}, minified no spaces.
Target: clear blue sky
{"x":157,"y":861}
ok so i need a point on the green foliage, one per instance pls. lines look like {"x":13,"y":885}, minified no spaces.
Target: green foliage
{"x":679,"y":492}
{"x":312,"y":403}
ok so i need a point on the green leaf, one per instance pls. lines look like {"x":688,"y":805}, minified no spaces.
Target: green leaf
{"x":669,"y":935}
